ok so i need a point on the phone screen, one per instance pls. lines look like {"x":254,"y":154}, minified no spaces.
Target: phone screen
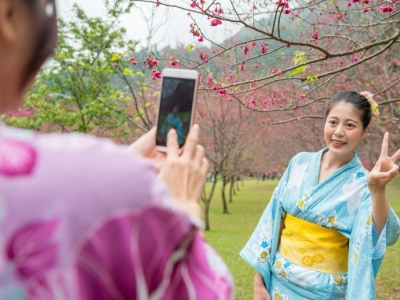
{"x":175,"y":111}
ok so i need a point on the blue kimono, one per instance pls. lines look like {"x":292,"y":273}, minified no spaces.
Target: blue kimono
{"x":173,"y":122}
{"x":341,"y":202}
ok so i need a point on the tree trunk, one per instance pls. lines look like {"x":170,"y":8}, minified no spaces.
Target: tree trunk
{"x":237,"y":185}
{"x":231,"y":189}
{"x":223,"y":195}
{"x":206,"y":215}
{"x":206,"y":200}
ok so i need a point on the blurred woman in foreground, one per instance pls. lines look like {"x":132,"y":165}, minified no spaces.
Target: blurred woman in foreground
{"x":83,"y":218}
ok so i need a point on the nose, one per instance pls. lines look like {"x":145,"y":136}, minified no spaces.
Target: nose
{"x":339,"y":131}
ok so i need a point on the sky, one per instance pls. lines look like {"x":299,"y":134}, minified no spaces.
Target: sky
{"x":176,"y":28}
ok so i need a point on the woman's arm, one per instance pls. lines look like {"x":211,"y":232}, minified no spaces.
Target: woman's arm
{"x":383,"y":172}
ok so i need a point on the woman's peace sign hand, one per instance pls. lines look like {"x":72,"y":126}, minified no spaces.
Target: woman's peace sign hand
{"x":385,"y":168}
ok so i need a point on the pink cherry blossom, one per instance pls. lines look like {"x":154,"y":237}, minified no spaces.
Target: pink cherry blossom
{"x":133,"y":61}
{"x":193,"y":4}
{"x":287,"y":11}
{"x":174,"y":63}
{"x":209,"y":80}
{"x":386,"y":9}
{"x":315,"y":36}
{"x":201,"y":39}
{"x":156,"y":74}
{"x":367,"y":9}
{"x":263,"y":48}
{"x":215,"y":22}
{"x":355,"y":59}
{"x":296,"y":14}
{"x":222,"y":92}
{"x":246,"y":50}
{"x":204,"y":56}
{"x":241,"y":67}
{"x":273,"y":70}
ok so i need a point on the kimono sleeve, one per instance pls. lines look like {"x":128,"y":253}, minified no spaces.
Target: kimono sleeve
{"x":366,"y":251}
{"x":261,"y":248}
{"x":155,"y":252}
{"x":389,"y":235}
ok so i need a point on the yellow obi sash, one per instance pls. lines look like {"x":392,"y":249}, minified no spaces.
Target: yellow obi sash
{"x":313,"y":246}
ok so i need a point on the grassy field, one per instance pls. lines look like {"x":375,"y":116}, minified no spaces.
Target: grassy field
{"x":229,"y":233}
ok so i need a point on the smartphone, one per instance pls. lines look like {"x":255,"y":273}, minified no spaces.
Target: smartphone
{"x":176,"y":105}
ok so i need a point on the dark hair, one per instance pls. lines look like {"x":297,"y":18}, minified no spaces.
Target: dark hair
{"x":46,"y":31}
{"x":360,"y":103}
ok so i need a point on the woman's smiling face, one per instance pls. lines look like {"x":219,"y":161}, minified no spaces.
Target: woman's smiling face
{"x":343,"y":130}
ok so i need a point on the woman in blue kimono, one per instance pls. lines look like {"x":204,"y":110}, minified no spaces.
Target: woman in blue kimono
{"x":325,"y":231}
{"x":174,"y":121}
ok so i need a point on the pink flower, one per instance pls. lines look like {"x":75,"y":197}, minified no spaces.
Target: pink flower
{"x":193,"y":4}
{"x":215,"y":22}
{"x":151,"y":62}
{"x":174,"y":63}
{"x":282,"y":3}
{"x":366,"y":2}
{"x":348,"y":4}
{"x":209,"y":80}
{"x":241,"y":67}
{"x":156,"y":74}
{"x":115,"y":64}
{"x":367,"y":9}
{"x":222,"y":92}
{"x":355,"y":59}
{"x":31,"y":248}
{"x":296,"y":14}
{"x":315,"y":36}
{"x":16,"y":158}
{"x":273,"y":70}
{"x":133,"y":61}
{"x":287,"y":11}
{"x":263,"y":48}
{"x":201,"y":39}
{"x":246,"y":50}
{"x":204,"y":56}
{"x":220,"y":11}
{"x":386,"y":9}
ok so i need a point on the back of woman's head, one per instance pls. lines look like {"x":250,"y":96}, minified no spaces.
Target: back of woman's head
{"x":359,"y":102}
{"x":45,"y":22}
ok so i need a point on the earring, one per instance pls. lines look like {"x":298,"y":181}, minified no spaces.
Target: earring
{"x":50,"y":9}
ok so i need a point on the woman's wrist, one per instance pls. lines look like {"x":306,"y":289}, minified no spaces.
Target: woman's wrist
{"x":190,"y":207}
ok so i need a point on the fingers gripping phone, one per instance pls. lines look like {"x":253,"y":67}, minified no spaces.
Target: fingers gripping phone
{"x":176,"y":105}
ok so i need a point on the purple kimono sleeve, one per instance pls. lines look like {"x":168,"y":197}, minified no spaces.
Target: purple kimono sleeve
{"x":152,"y":253}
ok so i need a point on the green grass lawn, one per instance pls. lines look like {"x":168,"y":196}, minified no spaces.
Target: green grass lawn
{"x":230,"y":232}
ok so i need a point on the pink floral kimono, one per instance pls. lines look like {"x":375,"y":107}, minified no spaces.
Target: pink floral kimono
{"x":82,"y":218}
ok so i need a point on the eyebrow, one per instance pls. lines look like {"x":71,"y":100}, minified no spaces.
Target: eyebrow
{"x":333,"y":117}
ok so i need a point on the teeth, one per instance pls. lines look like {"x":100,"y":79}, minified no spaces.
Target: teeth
{"x":337,"y":142}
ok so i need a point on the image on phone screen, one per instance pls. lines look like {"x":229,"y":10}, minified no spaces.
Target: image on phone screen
{"x":175,"y":108}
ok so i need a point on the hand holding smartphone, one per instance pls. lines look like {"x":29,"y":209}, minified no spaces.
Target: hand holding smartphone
{"x":176,"y":105}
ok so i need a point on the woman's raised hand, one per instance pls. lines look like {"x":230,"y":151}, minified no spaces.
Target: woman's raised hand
{"x":385,"y":168}
{"x":185,"y":174}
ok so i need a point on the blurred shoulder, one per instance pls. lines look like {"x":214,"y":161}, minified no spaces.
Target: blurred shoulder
{"x":72,"y":153}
